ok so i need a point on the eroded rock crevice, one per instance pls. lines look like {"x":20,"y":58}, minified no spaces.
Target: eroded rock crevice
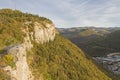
{"x":40,"y":34}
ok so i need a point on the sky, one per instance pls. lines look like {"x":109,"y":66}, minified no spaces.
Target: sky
{"x":71,"y":13}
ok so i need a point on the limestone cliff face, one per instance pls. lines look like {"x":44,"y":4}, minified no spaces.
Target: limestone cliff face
{"x":41,"y":33}
{"x":21,"y":70}
{"x":44,"y":32}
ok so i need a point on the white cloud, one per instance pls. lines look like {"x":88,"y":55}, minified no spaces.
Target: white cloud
{"x":70,"y":13}
{"x":85,"y":13}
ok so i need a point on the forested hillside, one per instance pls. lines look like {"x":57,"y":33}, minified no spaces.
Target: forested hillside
{"x":32,"y":49}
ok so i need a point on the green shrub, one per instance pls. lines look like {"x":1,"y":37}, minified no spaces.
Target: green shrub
{"x":9,"y":60}
{"x":62,"y":60}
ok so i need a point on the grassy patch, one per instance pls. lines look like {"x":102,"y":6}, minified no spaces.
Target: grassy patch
{"x":9,"y":60}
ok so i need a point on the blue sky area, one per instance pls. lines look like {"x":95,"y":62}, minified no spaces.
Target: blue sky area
{"x":71,"y":13}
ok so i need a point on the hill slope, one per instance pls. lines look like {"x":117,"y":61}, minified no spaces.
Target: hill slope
{"x":94,"y":41}
{"x":62,"y":60}
{"x":102,"y":46}
{"x":32,"y":49}
{"x":81,"y":35}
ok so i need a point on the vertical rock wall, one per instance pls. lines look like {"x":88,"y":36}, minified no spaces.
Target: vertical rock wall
{"x":41,"y":33}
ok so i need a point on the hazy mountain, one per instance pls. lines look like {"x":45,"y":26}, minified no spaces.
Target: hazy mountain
{"x":104,"y":45}
{"x":77,"y":30}
{"x":89,"y":39}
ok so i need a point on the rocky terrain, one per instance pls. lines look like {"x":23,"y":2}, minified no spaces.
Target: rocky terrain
{"x":32,"y":49}
{"x":41,"y":35}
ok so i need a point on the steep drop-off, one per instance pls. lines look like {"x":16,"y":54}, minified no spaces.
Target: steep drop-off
{"x":32,"y":49}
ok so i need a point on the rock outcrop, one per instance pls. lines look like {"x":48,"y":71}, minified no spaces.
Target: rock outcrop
{"x":21,"y":70}
{"x":41,"y":33}
{"x":28,"y":51}
{"x":44,"y":32}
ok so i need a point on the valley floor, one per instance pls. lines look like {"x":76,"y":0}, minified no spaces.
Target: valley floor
{"x":111,"y":61}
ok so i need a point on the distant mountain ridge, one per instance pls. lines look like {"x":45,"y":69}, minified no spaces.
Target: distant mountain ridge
{"x":105,"y":45}
{"x":84,"y":31}
{"x":88,"y":37}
